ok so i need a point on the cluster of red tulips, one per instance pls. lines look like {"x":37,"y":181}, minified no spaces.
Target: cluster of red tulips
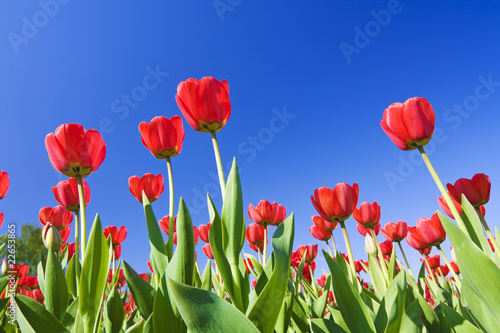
{"x":83,"y":280}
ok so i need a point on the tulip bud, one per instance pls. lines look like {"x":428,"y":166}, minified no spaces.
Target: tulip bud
{"x":51,"y":237}
{"x":453,"y":255}
{"x":4,"y":267}
{"x":370,"y":246}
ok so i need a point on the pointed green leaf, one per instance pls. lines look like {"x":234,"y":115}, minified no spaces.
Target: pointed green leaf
{"x":142,"y":292}
{"x":115,"y":314}
{"x":377,"y":276}
{"x":70,"y":277}
{"x":163,"y":317}
{"x":325,"y":325}
{"x":412,"y":321}
{"x":452,"y":322}
{"x":56,"y":291}
{"x":475,"y":227}
{"x":207,"y":277}
{"x":33,"y":318}
{"x":159,"y":258}
{"x":392,"y":308}
{"x":70,"y":316}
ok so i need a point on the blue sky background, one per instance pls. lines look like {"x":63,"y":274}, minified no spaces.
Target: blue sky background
{"x":278,"y":57}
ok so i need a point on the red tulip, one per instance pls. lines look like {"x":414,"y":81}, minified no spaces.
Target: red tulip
{"x":255,"y":236}
{"x":310,"y":251}
{"x":395,"y":232}
{"x":65,"y":233}
{"x":455,"y":267}
{"x":324,"y":224}
{"x":163,"y":136}
{"x":429,"y":232}
{"x":144,"y":276}
{"x":4,"y":184}
{"x":338,"y":204}
{"x":476,"y":190}
{"x":66,"y":193}
{"x":363,"y":231}
{"x":152,"y":185}
{"x":164,"y":223}
{"x":117,"y":236}
{"x":319,"y":234}
{"x":71,"y":249}
{"x":491,"y":244}
{"x":248,"y":264}
{"x":37,"y":295}
{"x":306,"y":272}
{"x":322,"y":280}
{"x":208,"y":251}
{"x":74,"y":151}
{"x":458,"y":206}
{"x":121,"y":277}
{"x":386,"y":247}
{"x":434,"y":261}
{"x":1,"y":219}
{"x":58,"y":216}
{"x":358,"y":266}
{"x":416,"y":244}
{"x":205,"y":103}
{"x":444,"y":269}
{"x":368,"y":214}
{"x":19,"y":271}
{"x":203,"y":232}
{"x":409,"y":125}
{"x":117,"y":249}
{"x":150,"y":268}
{"x":265,"y":213}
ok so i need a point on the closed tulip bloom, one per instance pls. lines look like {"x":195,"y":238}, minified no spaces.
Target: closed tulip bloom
{"x":455,"y":267}
{"x":476,"y":190}
{"x":118,"y":251}
{"x":37,"y":295}
{"x":368,"y":214}
{"x":117,"y":235}
{"x":255,"y":236}
{"x":74,"y":151}
{"x":58,"y":216}
{"x":208,"y":251}
{"x":164,"y":224}
{"x":163,"y":136}
{"x":338,"y":204}
{"x":266,"y":213}
{"x":51,"y":237}
{"x":322,"y":280}
{"x":429,"y":231}
{"x":66,"y":193}
{"x":386,"y":247}
{"x":319,"y":234}
{"x":358,"y":266}
{"x":4,"y":184}
{"x":434,"y":261}
{"x":410,"y":124}
{"x":444,"y":269}
{"x":363,"y":231}
{"x":310,"y":251}
{"x":395,"y":232}
{"x":416,"y":244}
{"x":205,"y":103}
{"x":324,"y":224}
{"x":152,"y":185}
{"x":203,"y":232}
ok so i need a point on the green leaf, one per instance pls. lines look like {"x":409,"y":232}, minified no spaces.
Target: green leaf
{"x":428,"y":316}
{"x":137,"y":327}
{"x":207,"y":277}
{"x":257,"y":267}
{"x":163,"y":316}
{"x":264,"y":311}
{"x":351,"y":305}
{"x":485,"y":319}
{"x":479,"y":272}
{"x":377,"y":276}
{"x":319,"y":305}
{"x":56,"y":291}
{"x":299,"y":314}
{"x":475,"y":227}
{"x":3,"y":283}
{"x":142,"y":292}
{"x":159,"y":258}
{"x":115,"y":313}
{"x":70,"y":316}
{"x":70,"y":277}
{"x":148,"y":325}
{"x":204,"y":311}
{"x":41,"y":276}
{"x":412,"y":320}
{"x":33,"y":318}
{"x":94,"y":276}
{"x":325,"y":325}
{"x":451,"y":321}
{"x":392,"y":308}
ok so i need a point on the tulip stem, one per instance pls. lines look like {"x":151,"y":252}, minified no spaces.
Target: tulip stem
{"x":329,"y":248}
{"x":406,"y":260}
{"x":218,"y":160}
{"x":349,"y":249}
{"x":171,"y":226}
{"x":488,"y":231}
{"x":444,"y":192}
{"x":260,"y":255}
{"x":113,"y":259}
{"x":334,"y":244}
{"x":83,"y":215}
{"x":77,"y":249}
{"x":455,"y":276}
{"x":431,"y":272}
{"x":265,"y":246}
{"x":312,"y":280}
{"x":380,"y":256}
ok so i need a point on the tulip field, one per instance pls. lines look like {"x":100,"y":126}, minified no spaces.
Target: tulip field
{"x":83,"y":284}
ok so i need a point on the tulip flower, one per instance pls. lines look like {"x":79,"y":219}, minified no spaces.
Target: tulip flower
{"x":324,"y":224}
{"x":386,"y":247}
{"x":434,"y":261}
{"x":455,"y":267}
{"x":4,"y":184}
{"x":121,"y":278}
{"x":476,"y":190}
{"x":58,"y":216}
{"x":308,"y":269}
{"x":66,"y":193}
{"x":37,"y":295}
{"x":152,"y":185}
{"x":65,"y":233}
{"x":255,"y":236}
{"x":71,"y":249}
{"x":208,"y":251}
{"x":73,"y":151}
{"x":368,"y":214}
{"x":163,"y":136}
{"x":360,"y":267}
{"x":310,"y":251}
{"x":338,"y":204}
{"x":117,"y":235}
{"x":248,"y":265}
{"x":363,"y":231}
{"x":429,"y":231}
{"x":319,"y":234}
{"x":165,"y":222}
{"x":416,"y":244}
{"x":266,"y":213}
{"x":410,"y":124}
{"x":444,"y":269}
{"x":19,"y":271}
{"x":1,"y":219}
{"x":117,"y":251}
{"x":205,"y":103}
{"x":322,"y":280}
{"x":458,"y":206}
{"x":395,"y":232}
{"x":203,"y":231}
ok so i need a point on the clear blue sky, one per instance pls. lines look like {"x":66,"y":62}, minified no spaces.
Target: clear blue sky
{"x":331,"y":66}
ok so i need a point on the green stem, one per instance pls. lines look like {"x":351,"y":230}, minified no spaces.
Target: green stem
{"x":83,"y":215}
{"x":260,"y":255}
{"x":381,"y":259}
{"x":77,"y":249}
{"x":222,"y":180}
{"x":441,"y":187}
{"x":171,"y":217}
{"x":429,"y":269}
{"x":334,"y":245}
{"x":349,"y":249}
{"x":113,"y":259}
{"x":312,"y":281}
{"x":329,"y":248}
{"x":488,"y":231}
{"x":264,"y":259}
{"x":406,"y":260}
{"x":455,"y":276}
